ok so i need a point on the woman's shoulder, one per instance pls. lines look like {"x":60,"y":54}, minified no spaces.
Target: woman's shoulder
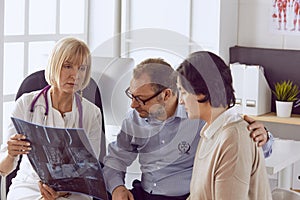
{"x":235,"y":131}
{"x":237,"y":135}
{"x":28,"y":96}
{"x":88,"y":105}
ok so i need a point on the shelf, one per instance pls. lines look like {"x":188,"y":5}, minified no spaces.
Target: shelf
{"x":271,"y":117}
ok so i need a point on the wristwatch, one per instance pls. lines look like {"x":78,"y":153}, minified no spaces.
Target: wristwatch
{"x":268,"y":133}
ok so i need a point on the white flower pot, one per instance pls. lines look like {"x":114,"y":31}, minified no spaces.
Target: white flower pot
{"x":284,"y":108}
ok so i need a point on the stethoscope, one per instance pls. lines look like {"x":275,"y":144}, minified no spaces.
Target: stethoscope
{"x":44,"y":93}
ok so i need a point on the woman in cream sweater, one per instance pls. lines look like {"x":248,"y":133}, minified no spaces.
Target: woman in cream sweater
{"x":228,"y":163}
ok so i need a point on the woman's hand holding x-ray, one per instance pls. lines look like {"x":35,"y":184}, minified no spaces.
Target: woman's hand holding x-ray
{"x":17,"y":145}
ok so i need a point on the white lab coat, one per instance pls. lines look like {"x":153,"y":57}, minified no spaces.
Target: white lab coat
{"x":25,"y":185}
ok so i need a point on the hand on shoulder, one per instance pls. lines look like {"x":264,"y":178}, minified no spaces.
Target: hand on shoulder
{"x":258,"y":131}
{"x":121,"y":193}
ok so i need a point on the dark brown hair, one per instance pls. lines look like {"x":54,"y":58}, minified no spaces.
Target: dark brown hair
{"x":206,"y":73}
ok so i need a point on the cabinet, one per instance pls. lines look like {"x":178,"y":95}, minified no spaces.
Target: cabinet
{"x":294,"y":122}
{"x":296,"y":176}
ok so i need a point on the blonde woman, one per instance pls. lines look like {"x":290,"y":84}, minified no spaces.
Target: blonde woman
{"x":57,"y":105}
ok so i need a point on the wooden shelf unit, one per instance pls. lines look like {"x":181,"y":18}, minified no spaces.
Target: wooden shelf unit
{"x":271,"y":117}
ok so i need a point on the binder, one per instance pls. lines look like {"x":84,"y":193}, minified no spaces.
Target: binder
{"x":252,"y":91}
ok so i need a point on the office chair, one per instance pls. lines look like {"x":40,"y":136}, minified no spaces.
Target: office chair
{"x":36,"y":81}
{"x":113,"y":76}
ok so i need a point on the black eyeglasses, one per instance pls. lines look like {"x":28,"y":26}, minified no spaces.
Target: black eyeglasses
{"x":138,"y":99}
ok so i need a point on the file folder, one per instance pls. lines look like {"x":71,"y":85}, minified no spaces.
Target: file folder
{"x":252,"y":91}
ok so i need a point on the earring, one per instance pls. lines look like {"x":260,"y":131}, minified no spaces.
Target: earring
{"x":180,"y":101}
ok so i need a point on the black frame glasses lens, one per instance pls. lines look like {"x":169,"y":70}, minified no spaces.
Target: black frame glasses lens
{"x":140,"y":101}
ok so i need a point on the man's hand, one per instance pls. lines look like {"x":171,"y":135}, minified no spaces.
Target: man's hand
{"x":121,"y":193}
{"x":258,"y":132}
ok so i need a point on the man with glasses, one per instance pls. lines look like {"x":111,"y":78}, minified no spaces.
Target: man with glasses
{"x":159,"y":133}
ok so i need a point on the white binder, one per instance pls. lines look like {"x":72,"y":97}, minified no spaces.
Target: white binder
{"x":252,"y":91}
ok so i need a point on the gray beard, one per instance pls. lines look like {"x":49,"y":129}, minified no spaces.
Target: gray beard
{"x":159,"y":113}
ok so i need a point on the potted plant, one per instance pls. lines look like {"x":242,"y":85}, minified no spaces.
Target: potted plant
{"x":286,"y":92}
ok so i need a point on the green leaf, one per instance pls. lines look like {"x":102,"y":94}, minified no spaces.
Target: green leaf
{"x":286,"y":91}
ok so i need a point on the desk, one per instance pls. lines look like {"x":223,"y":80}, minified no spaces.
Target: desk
{"x":285,"y":154}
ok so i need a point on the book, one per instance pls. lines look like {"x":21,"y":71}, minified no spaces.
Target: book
{"x":63,"y":158}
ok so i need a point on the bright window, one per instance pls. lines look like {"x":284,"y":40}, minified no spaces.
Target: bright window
{"x":14,"y":17}
{"x":42,"y":16}
{"x":166,"y":25}
{"x":38,"y":53}
{"x":72,"y":21}
{"x":31,"y":28}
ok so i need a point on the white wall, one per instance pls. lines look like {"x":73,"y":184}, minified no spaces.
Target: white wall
{"x":1,"y":60}
{"x":254,"y":27}
{"x":101,"y":23}
{"x":254,"y":31}
{"x":228,"y":27}
{"x":215,"y":25}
